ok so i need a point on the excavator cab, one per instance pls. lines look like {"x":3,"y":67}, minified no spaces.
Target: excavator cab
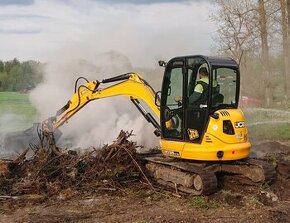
{"x":198,"y":124}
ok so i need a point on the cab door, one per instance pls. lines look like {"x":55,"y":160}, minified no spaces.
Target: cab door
{"x":172,"y":109}
{"x":196,"y":114}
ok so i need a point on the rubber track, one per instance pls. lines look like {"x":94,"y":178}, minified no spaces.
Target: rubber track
{"x":209,"y":181}
{"x":269,"y":170}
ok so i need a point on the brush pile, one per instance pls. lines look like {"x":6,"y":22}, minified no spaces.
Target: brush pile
{"x":51,"y":169}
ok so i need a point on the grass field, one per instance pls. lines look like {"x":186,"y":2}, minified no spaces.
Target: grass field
{"x":270,"y":132}
{"x":268,"y":124}
{"x":16,"y":111}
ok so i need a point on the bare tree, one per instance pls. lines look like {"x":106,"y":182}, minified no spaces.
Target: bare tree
{"x":285,"y":37}
{"x":263,"y":20}
{"x":246,"y":26}
{"x":287,"y":45}
{"x":235,"y":32}
{"x":237,"y":35}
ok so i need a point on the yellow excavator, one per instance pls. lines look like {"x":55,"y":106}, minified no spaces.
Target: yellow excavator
{"x":200,"y":140}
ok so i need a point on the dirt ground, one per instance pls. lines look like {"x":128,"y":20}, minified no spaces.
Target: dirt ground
{"x":138,"y":203}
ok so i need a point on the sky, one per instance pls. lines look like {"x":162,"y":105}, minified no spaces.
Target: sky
{"x":142,"y":30}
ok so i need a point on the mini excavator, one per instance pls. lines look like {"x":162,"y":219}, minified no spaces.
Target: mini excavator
{"x":200,"y":140}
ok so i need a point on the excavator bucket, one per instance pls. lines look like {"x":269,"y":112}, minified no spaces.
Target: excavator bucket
{"x":20,"y":140}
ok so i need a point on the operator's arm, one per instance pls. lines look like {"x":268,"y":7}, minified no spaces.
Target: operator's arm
{"x":196,"y":94}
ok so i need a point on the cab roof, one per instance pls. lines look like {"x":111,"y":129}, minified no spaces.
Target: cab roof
{"x":213,"y":61}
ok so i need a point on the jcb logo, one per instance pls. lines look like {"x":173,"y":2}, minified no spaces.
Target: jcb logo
{"x":193,"y":134}
{"x":240,"y":124}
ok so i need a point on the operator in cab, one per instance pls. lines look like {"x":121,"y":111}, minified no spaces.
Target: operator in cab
{"x":199,"y":95}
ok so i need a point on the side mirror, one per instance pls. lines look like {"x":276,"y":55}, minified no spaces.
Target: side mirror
{"x":162,"y":63}
{"x":158,"y":98}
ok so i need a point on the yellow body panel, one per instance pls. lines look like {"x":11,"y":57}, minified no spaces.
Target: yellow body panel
{"x":233,"y":147}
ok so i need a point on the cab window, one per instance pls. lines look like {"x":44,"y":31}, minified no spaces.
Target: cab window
{"x":224,"y":87}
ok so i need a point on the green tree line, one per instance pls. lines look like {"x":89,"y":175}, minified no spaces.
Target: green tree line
{"x":20,"y":76}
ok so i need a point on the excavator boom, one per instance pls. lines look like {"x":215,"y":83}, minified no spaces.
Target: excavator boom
{"x":132,"y":86}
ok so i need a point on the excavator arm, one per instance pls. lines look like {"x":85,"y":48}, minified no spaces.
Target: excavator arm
{"x":132,"y":85}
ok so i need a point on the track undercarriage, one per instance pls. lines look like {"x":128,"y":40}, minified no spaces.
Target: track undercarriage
{"x":200,"y":178}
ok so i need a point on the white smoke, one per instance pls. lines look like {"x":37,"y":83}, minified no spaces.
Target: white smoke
{"x":8,"y":123}
{"x":100,"y":121}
